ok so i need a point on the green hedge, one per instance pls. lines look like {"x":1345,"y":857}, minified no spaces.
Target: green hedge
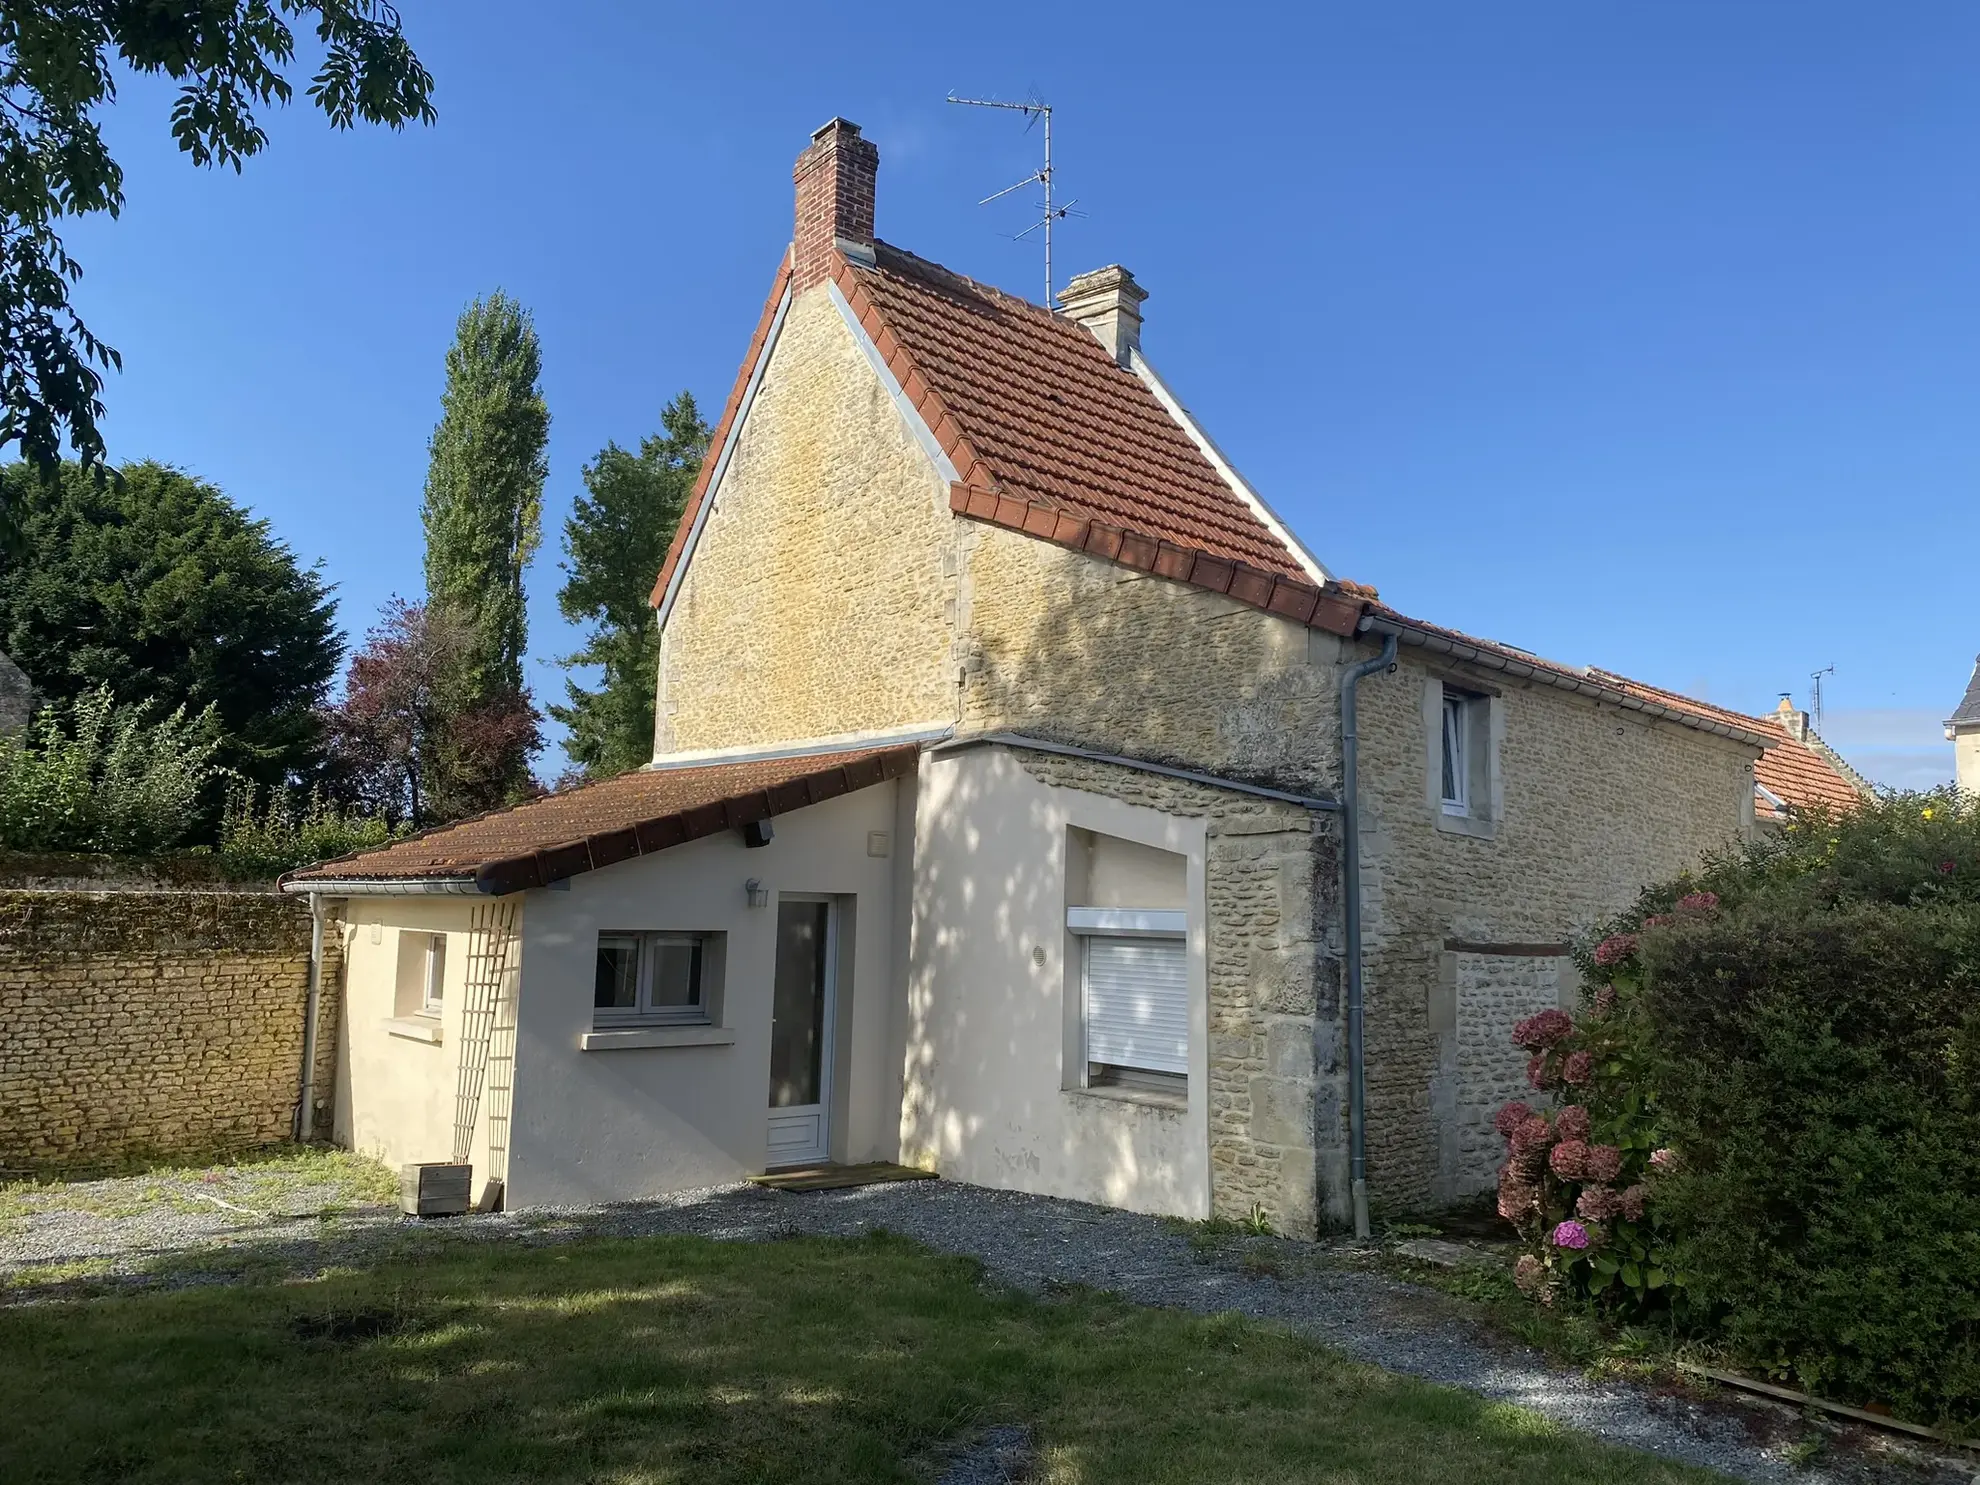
{"x":1818,"y":1076}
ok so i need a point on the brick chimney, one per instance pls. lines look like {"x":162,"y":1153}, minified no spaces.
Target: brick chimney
{"x":1107,"y":302}
{"x":1796,"y":722}
{"x":835,"y":177}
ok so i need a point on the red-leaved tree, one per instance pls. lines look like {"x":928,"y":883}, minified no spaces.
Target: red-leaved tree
{"x":400,"y":742}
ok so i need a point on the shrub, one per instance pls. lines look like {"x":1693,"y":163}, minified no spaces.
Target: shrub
{"x":258,"y":843}
{"x":1799,"y":1023}
{"x":94,"y":776}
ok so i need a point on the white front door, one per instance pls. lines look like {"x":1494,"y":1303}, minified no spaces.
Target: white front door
{"x":801,"y":1031}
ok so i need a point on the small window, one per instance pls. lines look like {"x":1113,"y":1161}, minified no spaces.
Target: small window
{"x":644,"y":979}
{"x":1135,"y":993}
{"x":1457,"y":750}
{"x":436,"y":973}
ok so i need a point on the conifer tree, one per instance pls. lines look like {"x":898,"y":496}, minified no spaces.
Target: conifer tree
{"x":615,"y":539}
{"x":484,"y":521}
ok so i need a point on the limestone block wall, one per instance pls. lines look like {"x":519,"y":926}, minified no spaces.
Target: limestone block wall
{"x":1062,"y":645}
{"x":16,"y":696}
{"x":1595,"y":802}
{"x":1481,"y":998}
{"x":153,"y":1022}
{"x":821,"y":595}
{"x":1270,"y":882}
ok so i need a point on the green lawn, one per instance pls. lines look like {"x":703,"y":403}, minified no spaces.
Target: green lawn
{"x":677,"y":1359}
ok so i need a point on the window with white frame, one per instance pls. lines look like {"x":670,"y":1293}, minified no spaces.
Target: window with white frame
{"x":648,"y":979}
{"x":1457,"y":752}
{"x":434,"y":982}
{"x":1134,"y":998}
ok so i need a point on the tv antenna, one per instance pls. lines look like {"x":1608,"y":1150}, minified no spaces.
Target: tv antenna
{"x":1032,"y":111}
{"x":1817,"y":679}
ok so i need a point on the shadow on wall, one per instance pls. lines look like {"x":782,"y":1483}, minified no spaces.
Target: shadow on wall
{"x":1127,"y":663}
{"x":986,"y":1087}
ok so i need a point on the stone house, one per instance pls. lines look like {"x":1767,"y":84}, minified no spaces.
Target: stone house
{"x":1963,"y":732}
{"x":16,"y":696}
{"x":1029,"y":803}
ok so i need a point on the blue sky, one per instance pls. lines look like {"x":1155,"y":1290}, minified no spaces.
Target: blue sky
{"x":1646,"y":337}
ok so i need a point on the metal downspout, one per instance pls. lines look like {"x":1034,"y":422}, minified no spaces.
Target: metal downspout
{"x":1351,"y":912}
{"x":306,"y":1105}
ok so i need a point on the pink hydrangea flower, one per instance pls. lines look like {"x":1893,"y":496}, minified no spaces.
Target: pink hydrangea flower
{"x":1659,"y":920}
{"x":1535,"y":1133}
{"x":1570,"y":1234}
{"x":1516,"y":1197}
{"x":1698,"y":902}
{"x":1633,"y":1201}
{"x":1663,"y":1159}
{"x":1579,"y":1068}
{"x":1537,"y":1033}
{"x":1529,"y":1273}
{"x":1569,"y":1160}
{"x":1511,"y":1117}
{"x":1947,"y":868}
{"x":1604,"y":1162}
{"x":1573,"y":1123}
{"x":1605,"y":1000}
{"x":1598,"y":1204}
{"x":1538,"y":1074}
{"x":1614,"y":949}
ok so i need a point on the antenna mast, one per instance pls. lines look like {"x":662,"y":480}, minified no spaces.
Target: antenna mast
{"x":1031,"y":110}
{"x":1817,"y":679}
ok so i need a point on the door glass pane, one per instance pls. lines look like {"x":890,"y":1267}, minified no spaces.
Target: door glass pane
{"x":616,"y":985}
{"x":797,"y":1026}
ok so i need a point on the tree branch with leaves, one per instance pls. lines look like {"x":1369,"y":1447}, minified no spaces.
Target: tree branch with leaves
{"x":59,"y":61}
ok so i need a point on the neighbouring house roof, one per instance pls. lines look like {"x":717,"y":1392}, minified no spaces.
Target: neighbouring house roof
{"x":1967,"y":713}
{"x":1803,"y":774}
{"x":595,"y":825}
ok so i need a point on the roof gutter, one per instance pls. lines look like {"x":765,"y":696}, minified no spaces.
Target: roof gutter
{"x":1442,"y":644}
{"x":386,"y":886}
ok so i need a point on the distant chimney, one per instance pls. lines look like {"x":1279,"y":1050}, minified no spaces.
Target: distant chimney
{"x":835,"y":177}
{"x":1796,"y":722}
{"x":1107,"y":302}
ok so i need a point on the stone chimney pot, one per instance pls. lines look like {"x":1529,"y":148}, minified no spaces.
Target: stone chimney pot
{"x":1795,"y":721}
{"x":1107,"y":302}
{"x":835,"y":179}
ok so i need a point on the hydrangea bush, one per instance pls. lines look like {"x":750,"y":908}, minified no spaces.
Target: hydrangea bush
{"x":1582,"y":1159}
{"x":1764,"y":1121}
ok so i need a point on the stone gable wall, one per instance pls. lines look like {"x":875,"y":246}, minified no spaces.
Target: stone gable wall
{"x":1064,"y":646}
{"x":139,"y":1023}
{"x":1270,"y":871}
{"x":821,"y":595}
{"x":16,"y":697}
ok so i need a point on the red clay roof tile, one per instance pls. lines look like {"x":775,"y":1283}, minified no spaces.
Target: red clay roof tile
{"x":581,"y":829}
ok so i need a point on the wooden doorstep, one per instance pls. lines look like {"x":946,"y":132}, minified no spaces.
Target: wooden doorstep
{"x":838,"y":1177}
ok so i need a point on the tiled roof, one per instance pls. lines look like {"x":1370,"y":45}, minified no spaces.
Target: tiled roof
{"x":560,"y":835}
{"x":1051,"y":438}
{"x":1050,"y":418}
{"x":1968,"y":710}
{"x":1803,"y":775}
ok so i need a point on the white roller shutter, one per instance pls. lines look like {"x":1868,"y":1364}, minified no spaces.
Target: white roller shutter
{"x":1137,"y":1003}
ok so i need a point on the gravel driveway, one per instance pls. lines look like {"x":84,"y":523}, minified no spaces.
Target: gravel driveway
{"x":1029,"y":1242}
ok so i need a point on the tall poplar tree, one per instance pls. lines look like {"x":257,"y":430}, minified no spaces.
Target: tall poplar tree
{"x":615,"y":540}
{"x":484,"y":520}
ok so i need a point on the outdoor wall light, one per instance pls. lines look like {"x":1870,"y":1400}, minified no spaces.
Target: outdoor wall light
{"x":759,"y":895}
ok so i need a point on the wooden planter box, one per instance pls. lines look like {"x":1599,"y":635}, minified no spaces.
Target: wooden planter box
{"x":437,"y":1189}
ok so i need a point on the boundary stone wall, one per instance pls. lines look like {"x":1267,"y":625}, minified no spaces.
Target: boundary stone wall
{"x":142,"y":1023}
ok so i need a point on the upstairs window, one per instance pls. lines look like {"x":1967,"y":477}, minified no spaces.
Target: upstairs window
{"x":649,"y":979}
{"x":1457,"y":754}
{"x":436,"y":973}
